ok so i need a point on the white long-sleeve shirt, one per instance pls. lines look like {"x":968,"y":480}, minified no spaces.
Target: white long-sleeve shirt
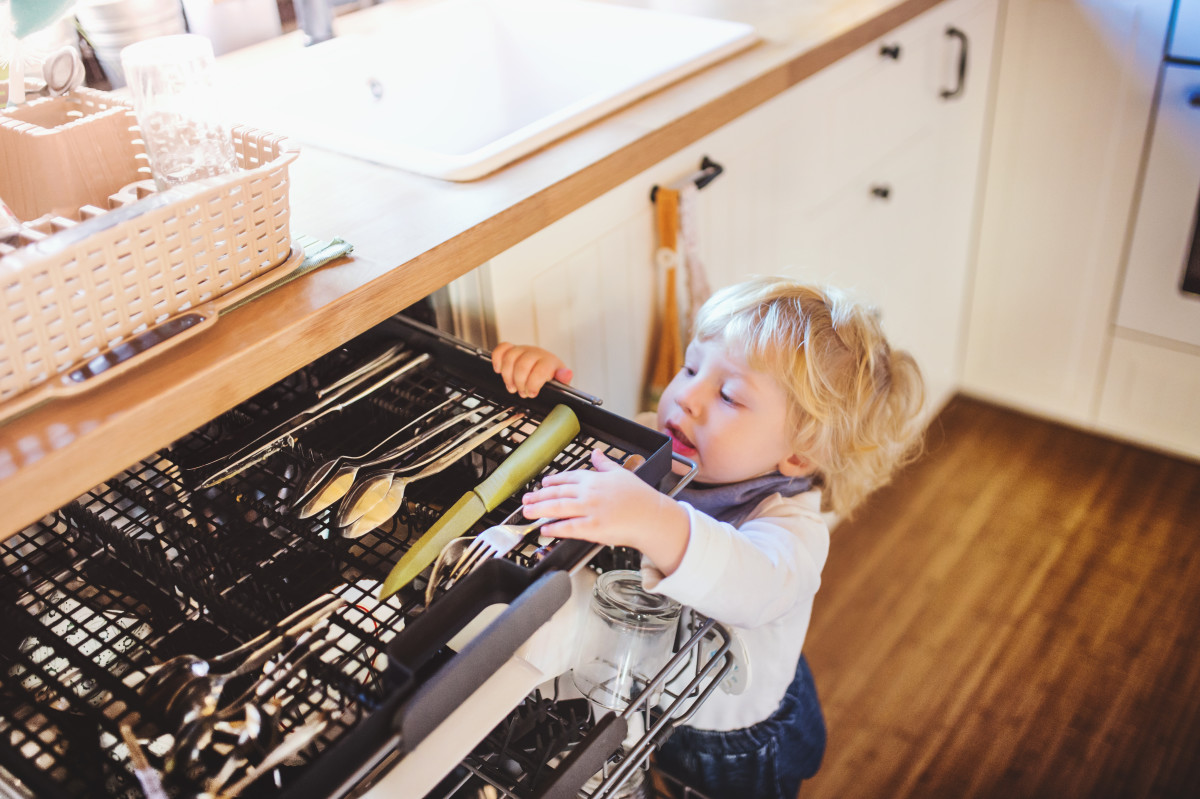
{"x":759,"y":579}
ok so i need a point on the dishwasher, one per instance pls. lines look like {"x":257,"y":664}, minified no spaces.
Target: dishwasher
{"x":446,"y":688}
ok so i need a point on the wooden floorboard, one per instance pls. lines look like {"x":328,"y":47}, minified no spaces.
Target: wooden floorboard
{"x":1016,"y":615}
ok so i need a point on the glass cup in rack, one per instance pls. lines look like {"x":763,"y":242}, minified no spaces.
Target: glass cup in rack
{"x":176,"y":104}
{"x":627,"y":639}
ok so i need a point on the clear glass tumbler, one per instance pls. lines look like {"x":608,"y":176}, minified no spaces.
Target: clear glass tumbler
{"x":627,"y":640}
{"x":175,"y":100}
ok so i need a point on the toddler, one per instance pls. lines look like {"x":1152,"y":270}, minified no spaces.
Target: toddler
{"x":791,"y":403}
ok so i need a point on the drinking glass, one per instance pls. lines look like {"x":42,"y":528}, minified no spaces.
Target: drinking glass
{"x":627,"y":639}
{"x":175,"y":100}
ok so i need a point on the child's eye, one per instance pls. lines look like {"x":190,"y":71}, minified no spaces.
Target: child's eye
{"x":689,"y":370}
{"x":729,"y":400}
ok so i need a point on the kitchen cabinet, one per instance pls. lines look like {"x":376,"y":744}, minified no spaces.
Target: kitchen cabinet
{"x":897,"y":229}
{"x":1149,"y":393}
{"x":863,"y":176}
{"x":1153,"y":376}
{"x":1074,"y":97}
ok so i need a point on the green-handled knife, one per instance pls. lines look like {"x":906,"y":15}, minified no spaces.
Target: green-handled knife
{"x":557,"y":430}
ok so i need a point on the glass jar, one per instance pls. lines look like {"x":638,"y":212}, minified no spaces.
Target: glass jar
{"x":628,"y":638}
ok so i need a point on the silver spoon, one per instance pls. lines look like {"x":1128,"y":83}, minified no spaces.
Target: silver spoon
{"x":339,"y":484}
{"x":323,"y":487}
{"x":374,"y":514}
{"x":162,"y":687}
{"x":377,"y":498}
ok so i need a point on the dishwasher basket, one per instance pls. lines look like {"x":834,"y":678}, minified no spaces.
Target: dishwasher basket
{"x":146,"y":566}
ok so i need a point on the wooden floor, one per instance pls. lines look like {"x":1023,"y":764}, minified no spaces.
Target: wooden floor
{"x":1017,"y":615}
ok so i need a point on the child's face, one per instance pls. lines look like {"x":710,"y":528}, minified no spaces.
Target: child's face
{"x":729,"y":418}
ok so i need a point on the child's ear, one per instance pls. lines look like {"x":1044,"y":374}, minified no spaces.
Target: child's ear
{"x":796,"y":465}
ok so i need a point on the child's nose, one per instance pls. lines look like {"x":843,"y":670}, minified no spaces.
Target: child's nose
{"x":691,"y":398}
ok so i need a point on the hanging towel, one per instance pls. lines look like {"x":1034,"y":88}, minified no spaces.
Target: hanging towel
{"x":678,"y":242}
{"x":698,"y":289}
{"x":666,"y":356}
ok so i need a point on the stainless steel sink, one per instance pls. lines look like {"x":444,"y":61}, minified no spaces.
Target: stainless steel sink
{"x":458,"y":89}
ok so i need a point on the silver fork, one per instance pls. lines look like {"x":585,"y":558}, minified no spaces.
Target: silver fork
{"x":500,"y":539}
{"x":494,"y":542}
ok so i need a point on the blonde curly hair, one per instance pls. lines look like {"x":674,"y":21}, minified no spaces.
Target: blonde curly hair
{"x":853,"y":402}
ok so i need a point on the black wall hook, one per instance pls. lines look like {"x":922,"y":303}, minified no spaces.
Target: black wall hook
{"x":708,"y":172}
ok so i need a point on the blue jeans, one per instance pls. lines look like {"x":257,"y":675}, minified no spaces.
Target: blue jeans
{"x":768,"y":760}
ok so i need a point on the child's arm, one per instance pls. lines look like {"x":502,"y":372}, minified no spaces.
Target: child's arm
{"x":612,"y":506}
{"x":526,"y":369}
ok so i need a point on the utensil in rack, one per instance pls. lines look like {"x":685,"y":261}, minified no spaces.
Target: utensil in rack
{"x":374,"y":514}
{"x":374,"y":486}
{"x":450,"y":555}
{"x":239,"y":740}
{"x":196,"y":735}
{"x":290,"y":746}
{"x":536,"y":452}
{"x":494,"y":542}
{"x":342,"y":481}
{"x":147,"y":775}
{"x":162,"y":690}
{"x":388,"y":358}
{"x":498,"y":540}
{"x":283,"y":433}
{"x":330,"y":481}
{"x":380,"y":361}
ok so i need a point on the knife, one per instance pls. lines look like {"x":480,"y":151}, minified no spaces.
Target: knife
{"x":535,"y":453}
{"x":278,"y":436}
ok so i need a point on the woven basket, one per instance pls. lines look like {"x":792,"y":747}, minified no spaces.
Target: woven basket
{"x":60,"y":153}
{"x":83,"y":285}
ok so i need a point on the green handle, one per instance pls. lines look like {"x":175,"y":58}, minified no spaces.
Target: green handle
{"x":558,"y":429}
{"x":424,"y":551}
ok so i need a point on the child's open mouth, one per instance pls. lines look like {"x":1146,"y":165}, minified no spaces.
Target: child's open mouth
{"x":679,"y":442}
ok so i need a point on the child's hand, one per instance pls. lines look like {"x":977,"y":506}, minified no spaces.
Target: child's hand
{"x":526,"y":369}
{"x":612,"y":506}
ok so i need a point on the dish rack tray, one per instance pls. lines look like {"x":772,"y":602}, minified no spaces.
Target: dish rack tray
{"x":127,"y":260}
{"x":148,"y":565}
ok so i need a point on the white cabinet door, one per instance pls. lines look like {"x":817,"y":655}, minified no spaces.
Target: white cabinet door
{"x":1074,"y":95}
{"x":1150,"y":395}
{"x":898,"y":229}
{"x":881,"y":240}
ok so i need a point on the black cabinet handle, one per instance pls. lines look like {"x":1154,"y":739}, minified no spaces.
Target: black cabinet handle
{"x":955,"y":33}
{"x":882,"y":191}
{"x":891,"y":51}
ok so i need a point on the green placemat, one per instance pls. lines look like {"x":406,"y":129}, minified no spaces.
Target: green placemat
{"x":317,"y":253}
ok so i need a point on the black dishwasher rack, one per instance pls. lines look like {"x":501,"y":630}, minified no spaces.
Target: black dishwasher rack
{"x":146,"y":566}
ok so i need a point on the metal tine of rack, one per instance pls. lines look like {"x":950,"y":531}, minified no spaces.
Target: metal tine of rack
{"x":703,"y":673}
